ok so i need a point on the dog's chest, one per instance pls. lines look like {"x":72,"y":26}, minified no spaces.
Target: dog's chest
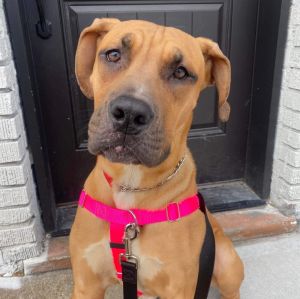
{"x":99,"y":258}
{"x":149,"y":266}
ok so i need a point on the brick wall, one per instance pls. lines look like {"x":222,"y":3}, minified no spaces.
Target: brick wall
{"x":21,"y":232}
{"x":285,"y":188}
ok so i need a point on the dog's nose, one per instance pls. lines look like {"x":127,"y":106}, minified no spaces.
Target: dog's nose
{"x":130,"y":115}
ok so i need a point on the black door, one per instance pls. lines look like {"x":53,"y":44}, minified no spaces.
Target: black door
{"x":219,"y":149}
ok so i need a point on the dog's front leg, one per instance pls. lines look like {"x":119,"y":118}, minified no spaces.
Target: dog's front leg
{"x":90,"y":275}
{"x":92,"y":263}
{"x":229,"y":269}
{"x":93,"y":272}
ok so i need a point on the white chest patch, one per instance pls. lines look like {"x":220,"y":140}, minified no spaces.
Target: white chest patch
{"x":132,"y":177}
{"x":99,"y":258}
{"x":124,"y":200}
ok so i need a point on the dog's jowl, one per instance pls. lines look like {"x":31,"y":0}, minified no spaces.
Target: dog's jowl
{"x":145,"y":81}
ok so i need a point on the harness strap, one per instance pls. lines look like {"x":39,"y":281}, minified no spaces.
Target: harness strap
{"x":117,"y":246}
{"x":172,"y":212}
{"x":207,"y":258}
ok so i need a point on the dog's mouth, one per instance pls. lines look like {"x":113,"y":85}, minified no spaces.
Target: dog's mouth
{"x":116,"y":147}
{"x":121,"y":154}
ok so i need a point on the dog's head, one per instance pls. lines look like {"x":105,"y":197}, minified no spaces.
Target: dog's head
{"x":145,"y":80}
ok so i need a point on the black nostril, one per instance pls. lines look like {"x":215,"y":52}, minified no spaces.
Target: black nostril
{"x":140,"y":120}
{"x":118,"y":114}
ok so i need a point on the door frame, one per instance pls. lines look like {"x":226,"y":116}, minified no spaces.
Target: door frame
{"x":272,"y":24}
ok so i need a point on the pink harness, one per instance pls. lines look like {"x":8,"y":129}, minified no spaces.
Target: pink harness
{"x":119,"y":218}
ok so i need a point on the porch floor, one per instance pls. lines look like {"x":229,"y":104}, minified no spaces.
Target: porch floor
{"x":271,"y":264}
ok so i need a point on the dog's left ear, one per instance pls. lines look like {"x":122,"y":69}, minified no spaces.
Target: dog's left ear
{"x":218,"y":72}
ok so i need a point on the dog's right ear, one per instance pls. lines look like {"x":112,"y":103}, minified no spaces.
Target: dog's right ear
{"x":86,"y":52}
{"x":218,"y":72}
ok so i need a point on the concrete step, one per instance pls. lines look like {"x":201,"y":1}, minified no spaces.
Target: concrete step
{"x":239,"y":225}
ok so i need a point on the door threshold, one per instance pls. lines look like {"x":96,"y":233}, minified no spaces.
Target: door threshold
{"x":228,"y":196}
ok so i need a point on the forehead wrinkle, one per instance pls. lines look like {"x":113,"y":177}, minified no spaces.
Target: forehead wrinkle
{"x":177,"y":57}
{"x":124,"y":39}
{"x":156,"y":38}
{"x":133,"y":40}
{"x":127,"y":41}
{"x":173,"y":56}
{"x":160,"y":34}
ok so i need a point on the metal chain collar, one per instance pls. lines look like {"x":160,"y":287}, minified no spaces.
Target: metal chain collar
{"x":125,"y":188}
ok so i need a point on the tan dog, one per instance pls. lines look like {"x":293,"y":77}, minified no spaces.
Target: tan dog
{"x":145,"y":80}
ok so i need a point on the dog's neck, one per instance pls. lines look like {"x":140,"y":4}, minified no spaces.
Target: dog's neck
{"x":137,"y":176}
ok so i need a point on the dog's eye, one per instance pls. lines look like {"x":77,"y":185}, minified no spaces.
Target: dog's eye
{"x":180,"y":73}
{"x":113,"y":55}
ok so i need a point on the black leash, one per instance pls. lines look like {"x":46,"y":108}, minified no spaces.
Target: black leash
{"x":206,"y":265}
{"x":129,"y":277}
{"x":207,"y":257}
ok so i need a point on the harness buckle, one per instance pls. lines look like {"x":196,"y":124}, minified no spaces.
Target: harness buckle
{"x":170,"y":208}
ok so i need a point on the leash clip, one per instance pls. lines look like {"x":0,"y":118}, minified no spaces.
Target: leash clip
{"x":131,"y":232}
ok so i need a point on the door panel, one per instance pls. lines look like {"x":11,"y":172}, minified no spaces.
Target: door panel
{"x":219,"y":150}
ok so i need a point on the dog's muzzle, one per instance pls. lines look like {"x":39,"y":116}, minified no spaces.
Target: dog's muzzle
{"x":128,"y":130}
